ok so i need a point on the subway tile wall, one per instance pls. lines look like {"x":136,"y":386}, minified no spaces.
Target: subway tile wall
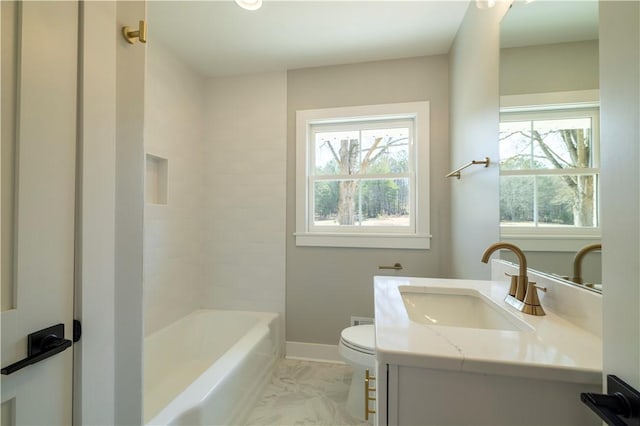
{"x":245,"y":203}
{"x":219,"y":242}
{"x":173,"y":237}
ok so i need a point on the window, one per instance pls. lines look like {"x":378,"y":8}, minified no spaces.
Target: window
{"x":549,"y":169}
{"x":362,"y":177}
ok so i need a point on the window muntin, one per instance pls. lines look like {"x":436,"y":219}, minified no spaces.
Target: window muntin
{"x":549,"y":169}
{"x":379,"y":152}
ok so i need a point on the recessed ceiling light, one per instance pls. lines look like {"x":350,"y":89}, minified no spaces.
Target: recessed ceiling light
{"x":249,"y":4}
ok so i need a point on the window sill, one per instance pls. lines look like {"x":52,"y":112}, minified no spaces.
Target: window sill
{"x":418,"y":242}
{"x":551,"y":243}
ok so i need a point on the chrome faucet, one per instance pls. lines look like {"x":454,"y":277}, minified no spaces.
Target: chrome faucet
{"x":523,"y":295}
{"x":577,"y":261}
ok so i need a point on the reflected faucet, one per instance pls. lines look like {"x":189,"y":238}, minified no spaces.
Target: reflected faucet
{"x":577,"y":261}
{"x":522,"y":280}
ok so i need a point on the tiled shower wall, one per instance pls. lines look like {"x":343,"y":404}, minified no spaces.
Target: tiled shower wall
{"x":173,"y":237}
{"x":219,"y":241}
{"x":245,"y":179}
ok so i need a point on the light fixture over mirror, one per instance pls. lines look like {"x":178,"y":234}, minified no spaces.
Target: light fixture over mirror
{"x":249,"y":4}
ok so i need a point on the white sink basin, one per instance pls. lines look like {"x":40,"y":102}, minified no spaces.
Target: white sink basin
{"x":457,"y":307}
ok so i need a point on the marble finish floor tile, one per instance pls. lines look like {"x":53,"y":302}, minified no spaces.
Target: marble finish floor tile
{"x":305,"y":393}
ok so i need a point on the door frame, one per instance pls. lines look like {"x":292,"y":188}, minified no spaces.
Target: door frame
{"x":108,"y":359}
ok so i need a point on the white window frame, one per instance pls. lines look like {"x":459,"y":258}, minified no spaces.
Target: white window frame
{"x":416,"y":236}
{"x":559,"y":239}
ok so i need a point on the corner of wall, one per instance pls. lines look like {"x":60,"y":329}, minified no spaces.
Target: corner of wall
{"x":474,"y":67}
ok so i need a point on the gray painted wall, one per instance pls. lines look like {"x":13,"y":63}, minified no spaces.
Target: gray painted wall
{"x":474,"y":63}
{"x":325,"y":286}
{"x":549,"y":68}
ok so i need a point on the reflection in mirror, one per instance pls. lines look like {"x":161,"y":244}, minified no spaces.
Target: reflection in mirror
{"x":549,"y":136}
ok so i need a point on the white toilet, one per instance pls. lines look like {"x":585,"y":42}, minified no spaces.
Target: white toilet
{"x":357,"y":348}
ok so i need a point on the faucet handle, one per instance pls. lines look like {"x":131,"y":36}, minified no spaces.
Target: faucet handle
{"x":539,"y":287}
{"x":531,"y":301}
{"x":514,"y":284}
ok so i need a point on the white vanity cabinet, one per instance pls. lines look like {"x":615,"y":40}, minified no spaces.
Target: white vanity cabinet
{"x":439,"y":363}
{"x":422,"y":396}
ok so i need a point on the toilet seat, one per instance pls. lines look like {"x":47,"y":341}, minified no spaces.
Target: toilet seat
{"x":360,"y":338}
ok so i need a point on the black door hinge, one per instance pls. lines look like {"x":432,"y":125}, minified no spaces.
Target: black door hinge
{"x":77,"y":330}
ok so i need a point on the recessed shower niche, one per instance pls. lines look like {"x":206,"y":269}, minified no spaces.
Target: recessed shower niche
{"x":155,"y":179}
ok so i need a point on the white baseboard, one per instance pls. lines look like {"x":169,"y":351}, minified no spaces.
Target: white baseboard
{"x":313,"y":352}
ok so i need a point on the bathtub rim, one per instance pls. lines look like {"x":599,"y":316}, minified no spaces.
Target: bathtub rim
{"x":214,"y":376}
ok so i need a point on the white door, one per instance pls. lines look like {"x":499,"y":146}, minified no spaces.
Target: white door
{"x":39,"y":80}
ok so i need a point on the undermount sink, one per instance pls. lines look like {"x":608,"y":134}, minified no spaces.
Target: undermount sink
{"x":457,"y":307}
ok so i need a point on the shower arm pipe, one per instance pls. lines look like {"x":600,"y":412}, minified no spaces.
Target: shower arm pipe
{"x":456,"y":172}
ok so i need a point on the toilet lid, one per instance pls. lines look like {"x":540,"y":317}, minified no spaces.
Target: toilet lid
{"x":360,"y":337}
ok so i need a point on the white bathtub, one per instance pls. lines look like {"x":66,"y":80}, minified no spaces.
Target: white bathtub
{"x":209,"y":367}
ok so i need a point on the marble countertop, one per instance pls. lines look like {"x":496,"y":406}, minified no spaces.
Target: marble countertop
{"x":555,"y":349}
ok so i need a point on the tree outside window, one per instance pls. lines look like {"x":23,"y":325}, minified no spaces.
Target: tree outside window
{"x":549,"y":169}
{"x":362,"y":176}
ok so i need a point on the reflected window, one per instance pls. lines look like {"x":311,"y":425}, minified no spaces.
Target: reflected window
{"x":549,"y":169}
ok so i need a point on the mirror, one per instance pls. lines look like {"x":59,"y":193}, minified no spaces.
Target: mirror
{"x":549,"y":138}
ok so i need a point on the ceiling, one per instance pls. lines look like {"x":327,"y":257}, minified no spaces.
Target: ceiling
{"x":216,"y":37}
{"x":547,"y":22}
{"x":219,"y":38}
